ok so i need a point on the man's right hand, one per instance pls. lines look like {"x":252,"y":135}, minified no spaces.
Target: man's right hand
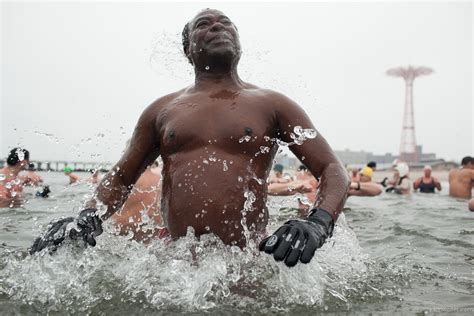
{"x":88,"y":224}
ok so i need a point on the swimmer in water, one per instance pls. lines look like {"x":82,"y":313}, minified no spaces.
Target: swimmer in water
{"x":427,"y":183}
{"x":73,"y":178}
{"x":11,"y":184}
{"x":95,"y":177}
{"x":277,"y":175}
{"x":461,"y":180}
{"x":209,"y":136}
{"x":400,"y":183}
{"x":367,"y":172}
{"x":140,"y":214}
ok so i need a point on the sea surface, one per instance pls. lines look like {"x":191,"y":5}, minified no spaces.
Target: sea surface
{"x":389,"y":254}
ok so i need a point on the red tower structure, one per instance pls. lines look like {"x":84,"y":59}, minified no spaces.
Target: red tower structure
{"x":408,"y":149}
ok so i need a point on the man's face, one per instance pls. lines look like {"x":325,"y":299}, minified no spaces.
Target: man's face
{"x":212,"y":33}
{"x":427,"y":173}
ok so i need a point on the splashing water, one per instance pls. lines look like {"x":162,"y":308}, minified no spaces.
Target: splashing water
{"x":300,"y":134}
{"x":188,"y":274}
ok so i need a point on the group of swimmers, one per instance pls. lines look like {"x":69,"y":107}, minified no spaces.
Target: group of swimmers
{"x":461,"y":182}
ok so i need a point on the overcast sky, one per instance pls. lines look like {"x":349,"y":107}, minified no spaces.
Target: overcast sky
{"x":76,"y":76}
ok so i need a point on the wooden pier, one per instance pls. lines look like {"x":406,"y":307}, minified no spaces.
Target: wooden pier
{"x":60,"y":164}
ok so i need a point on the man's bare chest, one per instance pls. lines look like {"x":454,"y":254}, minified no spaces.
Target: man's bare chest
{"x":233,"y":124}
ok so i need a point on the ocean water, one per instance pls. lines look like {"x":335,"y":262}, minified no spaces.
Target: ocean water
{"x":389,"y":254}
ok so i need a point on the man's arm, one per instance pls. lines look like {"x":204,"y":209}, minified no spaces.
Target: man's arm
{"x":142,"y":150}
{"x":316,"y":154}
{"x":437,"y":183}
{"x":364,"y":189}
{"x":289,"y":188}
{"x":297,"y":240}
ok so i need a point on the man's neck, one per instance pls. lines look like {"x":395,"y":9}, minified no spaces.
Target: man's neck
{"x":222,"y":79}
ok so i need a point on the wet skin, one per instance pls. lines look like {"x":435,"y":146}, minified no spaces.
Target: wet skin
{"x":217,"y":139}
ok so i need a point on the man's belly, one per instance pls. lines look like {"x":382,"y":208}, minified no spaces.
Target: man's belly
{"x":227,"y":203}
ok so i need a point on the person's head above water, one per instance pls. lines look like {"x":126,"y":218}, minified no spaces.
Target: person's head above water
{"x":402,"y":169}
{"x":211,"y":41}
{"x":372,"y":165}
{"x":427,"y":171}
{"x":67,"y":170}
{"x":18,"y":155}
{"x":467,"y":161}
{"x":278,"y":168}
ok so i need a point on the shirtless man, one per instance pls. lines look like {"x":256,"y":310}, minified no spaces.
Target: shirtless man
{"x":210,"y":136}
{"x":140,"y":214}
{"x":427,"y":183}
{"x":11,"y":184}
{"x":461,"y":181}
{"x":73,"y":178}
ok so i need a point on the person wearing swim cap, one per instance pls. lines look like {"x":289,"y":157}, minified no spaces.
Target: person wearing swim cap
{"x":217,"y":139}
{"x":400,"y":182}
{"x":11,"y":183}
{"x":367,"y":172}
{"x":73,"y":178}
{"x":427,"y":183}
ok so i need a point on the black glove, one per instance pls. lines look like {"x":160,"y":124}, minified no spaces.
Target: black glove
{"x":299,"y":239}
{"x":44,"y":192}
{"x":388,"y":190}
{"x":89,"y":224}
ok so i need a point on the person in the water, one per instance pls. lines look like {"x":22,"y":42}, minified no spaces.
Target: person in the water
{"x":461,"y":180}
{"x":368,"y":171}
{"x":140,"y":215}
{"x":11,"y":183}
{"x":277,"y":175}
{"x":427,"y":183}
{"x":73,"y":178}
{"x":400,"y":182}
{"x":95,"y":176}
{"x":217,"y":139}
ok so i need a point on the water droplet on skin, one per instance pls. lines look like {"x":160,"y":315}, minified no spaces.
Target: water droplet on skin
{"x":225,"y":167}
{"x":207,"y":68}
{"x":240,"y":179}
{"x":245,"y":139}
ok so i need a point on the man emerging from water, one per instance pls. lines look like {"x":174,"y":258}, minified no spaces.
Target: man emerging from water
{"x":217,"y":139}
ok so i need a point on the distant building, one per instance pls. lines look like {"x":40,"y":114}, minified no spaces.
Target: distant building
{"x":349,"y":157}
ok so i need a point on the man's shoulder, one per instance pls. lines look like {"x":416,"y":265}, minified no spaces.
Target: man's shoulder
{"x":164,"y":100}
